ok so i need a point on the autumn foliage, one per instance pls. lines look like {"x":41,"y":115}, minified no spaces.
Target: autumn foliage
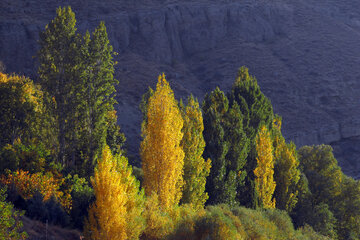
{"x":161,"y":153}
{"x":117,"y":211}
{"x":264,"y":172}
{"x":27,"y":185}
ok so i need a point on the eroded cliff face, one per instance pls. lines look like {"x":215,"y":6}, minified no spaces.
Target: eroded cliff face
{"x":305,"y":55}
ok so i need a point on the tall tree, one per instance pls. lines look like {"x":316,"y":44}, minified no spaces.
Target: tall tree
{"x":239,"y":146}
{"x":264,"y":172}
{"x":196,"y":169}
{"x":286,"y":171}
{"x":119,"y":205}
{"x":161,"y":154}
{"x":77,"y":72}
{"x":59,"y":73}
{"x":257,"y":110}
{"x":97,"y":96}
{"x":221,"y":184}
{"x":227,"y":145}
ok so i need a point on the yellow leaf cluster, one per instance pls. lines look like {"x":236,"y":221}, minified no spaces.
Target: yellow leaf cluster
{"x":27,"y":184}
{"x":28,"y":91}
{"x":162,"y":156}
{"x":264,"y":172}
{"x":117,"y":211}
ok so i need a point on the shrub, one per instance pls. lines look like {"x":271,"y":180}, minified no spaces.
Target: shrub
{"x":10,"y":224}
{"x":82,"y":196}
{"x":26,"y":185}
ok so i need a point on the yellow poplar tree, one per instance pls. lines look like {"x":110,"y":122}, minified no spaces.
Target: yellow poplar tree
{"x":196,"y":169}
{"x":118,"y":209}
{"x":161,"y":154}
{"x":264,"y":172}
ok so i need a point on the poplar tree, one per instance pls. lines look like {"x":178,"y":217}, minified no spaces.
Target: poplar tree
{"x":59,"y":74}
{"x":264,"y":172}
{"x":77,"y":72}
{"x":119,"y":205}
{"x":196,"y":169}
{"x":161,"y":153}
{"x":97,"y":94}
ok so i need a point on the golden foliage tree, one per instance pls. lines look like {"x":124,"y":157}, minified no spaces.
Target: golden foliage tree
{"x":161,"y":153}
{"x":196,"y":169}
{"x":264,"y":172}
{"x":117,"y":211}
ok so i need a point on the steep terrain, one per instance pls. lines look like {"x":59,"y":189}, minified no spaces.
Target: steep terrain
{"x":305,"y":55}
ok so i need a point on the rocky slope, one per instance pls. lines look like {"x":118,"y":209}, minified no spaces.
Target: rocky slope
{"x":305,"y":55}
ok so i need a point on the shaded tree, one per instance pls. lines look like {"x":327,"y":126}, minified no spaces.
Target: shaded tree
{"x":97,"y":94}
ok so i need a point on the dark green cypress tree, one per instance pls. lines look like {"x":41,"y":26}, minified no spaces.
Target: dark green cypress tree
{"x":256,"y":109}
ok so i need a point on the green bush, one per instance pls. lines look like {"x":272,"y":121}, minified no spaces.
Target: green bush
{"x":10,"y":224}
{"x":221,"y":222}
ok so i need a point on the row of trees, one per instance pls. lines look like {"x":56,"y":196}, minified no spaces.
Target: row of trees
{"x":175,"y":170}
